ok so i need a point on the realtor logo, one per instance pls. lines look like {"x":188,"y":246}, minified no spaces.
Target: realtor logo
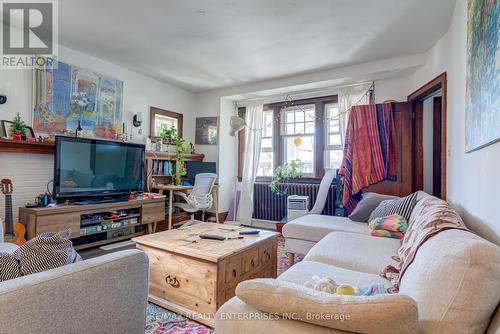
{"x":28,"y":33}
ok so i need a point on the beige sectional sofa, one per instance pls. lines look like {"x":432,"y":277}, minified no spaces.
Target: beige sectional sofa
{"x":453,"y":281}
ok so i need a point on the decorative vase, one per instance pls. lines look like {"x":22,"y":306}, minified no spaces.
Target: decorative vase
{"x":17,"y":136}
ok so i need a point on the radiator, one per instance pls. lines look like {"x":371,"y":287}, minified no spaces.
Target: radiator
{"x":269,"y":206}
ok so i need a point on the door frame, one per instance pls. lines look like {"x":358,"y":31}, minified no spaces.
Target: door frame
{"x":439,"y":82}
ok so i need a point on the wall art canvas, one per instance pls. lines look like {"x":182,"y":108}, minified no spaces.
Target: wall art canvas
{"x":482,"y":105}
{"x":66,"y":94}
{"x":206,"y":130}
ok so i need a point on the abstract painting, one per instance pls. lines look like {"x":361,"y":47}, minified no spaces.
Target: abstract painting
{"x":66,"y":94}
{"x":206,"y":130}
{"x":482,"y":105}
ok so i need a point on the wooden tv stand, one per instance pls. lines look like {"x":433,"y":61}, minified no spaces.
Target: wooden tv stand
{"x":68,"y":216}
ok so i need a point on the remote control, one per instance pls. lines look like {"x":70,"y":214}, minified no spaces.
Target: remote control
{"x":249,"y":232}
{"x":212,"y":236}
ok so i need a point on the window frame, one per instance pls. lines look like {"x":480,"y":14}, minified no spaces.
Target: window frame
{"x":268,"y":149}
{"x":332,"y":147}
{"x":319,"y":132}
{"x":153,"y":111}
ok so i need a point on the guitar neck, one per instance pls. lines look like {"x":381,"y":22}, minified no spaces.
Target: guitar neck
{"x":9,"y":222}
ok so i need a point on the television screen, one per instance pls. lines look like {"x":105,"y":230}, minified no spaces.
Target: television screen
{"x":90,"y":167}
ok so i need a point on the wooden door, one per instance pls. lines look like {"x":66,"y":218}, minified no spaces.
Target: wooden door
{"x":437,"y":148}
{"x":402,"y":184}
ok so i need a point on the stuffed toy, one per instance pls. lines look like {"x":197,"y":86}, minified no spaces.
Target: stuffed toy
{"x":328,"y":285}
{"x":325,"y":284}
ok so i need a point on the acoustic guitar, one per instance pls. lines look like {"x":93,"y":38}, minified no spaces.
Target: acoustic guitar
{"x":14,"y":231}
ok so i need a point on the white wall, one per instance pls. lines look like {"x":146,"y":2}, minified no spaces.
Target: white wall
{"x":473,"y":179}
{"x":30,"y":172}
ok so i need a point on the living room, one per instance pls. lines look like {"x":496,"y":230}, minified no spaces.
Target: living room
{"x":250,"y":166}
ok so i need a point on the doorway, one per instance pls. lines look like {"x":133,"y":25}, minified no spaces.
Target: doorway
{"x":428,"y":105}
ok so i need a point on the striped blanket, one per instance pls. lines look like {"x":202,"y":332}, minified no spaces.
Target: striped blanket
{"x":369,"y":150}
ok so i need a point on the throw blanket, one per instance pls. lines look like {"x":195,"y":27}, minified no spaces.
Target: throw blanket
{"x":369,"y":151}
{"x":430,"y":216}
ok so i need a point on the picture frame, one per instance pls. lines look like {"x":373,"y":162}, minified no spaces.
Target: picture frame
{"x":207,"y":131}
{"x":6,"y":125}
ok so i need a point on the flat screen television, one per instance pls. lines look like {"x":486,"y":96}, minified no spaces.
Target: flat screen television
{"x":93,"y":168}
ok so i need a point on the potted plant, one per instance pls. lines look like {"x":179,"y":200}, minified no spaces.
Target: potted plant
{"x":282,"y":174}
{"x":167,"y":133}
{"x":18,"y":128}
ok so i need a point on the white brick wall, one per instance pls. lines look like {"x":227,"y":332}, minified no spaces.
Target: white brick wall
{"x":29,"y":174}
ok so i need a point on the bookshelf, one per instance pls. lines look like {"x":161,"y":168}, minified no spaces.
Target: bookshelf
{"x":161,"y":165}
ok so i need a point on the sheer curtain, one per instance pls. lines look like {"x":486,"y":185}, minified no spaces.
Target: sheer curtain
{"x":254,"y":120}
{"x":348,"y":97}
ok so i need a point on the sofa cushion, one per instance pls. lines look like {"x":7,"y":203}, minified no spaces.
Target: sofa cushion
{"x":236,"y":316}
{"x":401,"y":206}
{"x":315,"y":227}
{"x":46,"y":251}
{"x":455,"y":280}
{"x":303,"y":271}
{"x":9,"y":267}
{"x":385,"y":313}
{"x":365,"y":207}
{"x":353,"y":251}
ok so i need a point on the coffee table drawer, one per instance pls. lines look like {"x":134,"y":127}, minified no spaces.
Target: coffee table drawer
{"x":251,"y":260}
{"x":266,"y":253}
{"x":185,"y":281}
{"x":233,"y":270}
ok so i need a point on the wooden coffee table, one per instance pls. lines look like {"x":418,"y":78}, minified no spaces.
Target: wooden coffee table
{"x":194,"y":277}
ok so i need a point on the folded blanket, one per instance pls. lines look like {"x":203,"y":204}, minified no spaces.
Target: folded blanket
{"x":371,"y":290}
{"x":394,"y":223}
{"x":387,"y":234}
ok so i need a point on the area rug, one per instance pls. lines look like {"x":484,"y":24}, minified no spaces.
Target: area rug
{"x":162,"y":321}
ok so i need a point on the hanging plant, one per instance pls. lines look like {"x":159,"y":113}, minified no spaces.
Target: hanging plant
{"x":179,"y":143}
{"x":282,"y":174}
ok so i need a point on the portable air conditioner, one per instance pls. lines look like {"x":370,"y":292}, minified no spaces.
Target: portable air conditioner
{"x":297,"y":206}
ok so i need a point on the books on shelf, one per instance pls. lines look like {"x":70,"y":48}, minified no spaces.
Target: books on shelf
{"x":163,"y":167}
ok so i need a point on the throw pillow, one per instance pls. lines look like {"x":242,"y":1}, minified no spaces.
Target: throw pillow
{"x":393,"y":223}
{"x":46,"y":251}
{"x":401,"y":206}
{"x":366,"y":206}
{"x":382,"y":313}
{"x":9,"y":267}
{"x":387,"y":234}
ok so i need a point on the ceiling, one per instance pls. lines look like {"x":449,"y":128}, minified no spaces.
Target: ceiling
{"x":207,"y":44}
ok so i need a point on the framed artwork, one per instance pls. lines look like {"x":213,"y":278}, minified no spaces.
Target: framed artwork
{"x":207,"y":129}
{"x":482,"y":102}
{"x":66,"y":94}
{"x":6,"y":129}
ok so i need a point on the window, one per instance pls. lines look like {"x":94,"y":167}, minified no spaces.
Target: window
{"x":333,"y":138}
{"x":266,"y":151}
{"x":309,"y":130}
{"x":297,"y":132}
{"x":159,"y":117}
